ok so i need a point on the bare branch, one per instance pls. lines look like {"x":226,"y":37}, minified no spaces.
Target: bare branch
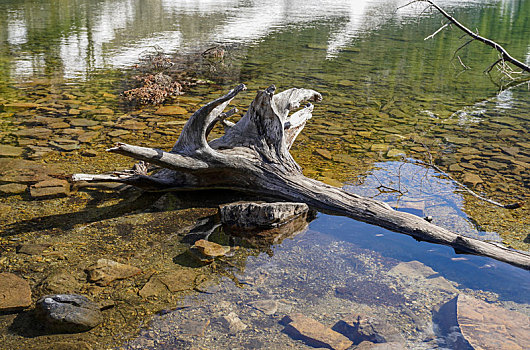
{"x":436,"y":32}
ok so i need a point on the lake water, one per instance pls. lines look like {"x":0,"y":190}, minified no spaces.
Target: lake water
{"x":390,"y":101}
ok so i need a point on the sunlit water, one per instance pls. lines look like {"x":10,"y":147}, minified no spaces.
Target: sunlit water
{"x":390,"y":99}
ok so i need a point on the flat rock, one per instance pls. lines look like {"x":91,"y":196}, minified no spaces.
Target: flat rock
{"x":487,"y":326}
{"x":13,"y":188}
{"x":20,"y":105}
{"x":83,"y":122}
{"x":32,"y":248}
{"x":10,"y":151}
{"x":366,"y":345}
{"x":314,"y":333}
{"x":233,"y":323}
{"x":87,"y":136}
{"x":174,"y":281}
{"x":194,"y":328}
{"x":414,"y":274}
{"x":68,"y":313}
{"x":268,"y":306}
{"x":359,"y":328}
{"x":50,"y":188}
{"x":377,"y":147}
{"x":15,"y":292}
{"x":171,"y":110}
{"x":210,"y":249}
{"x":34,"y":133}
{"x":324,"y":153}
{"x":22,"y":170}
{"x":105,"y":271}
{"x":253,"y":215}
{"x":395,"y":153}
{"x":60,"y":283}
{"x":133,"y":125}
{"x":472,"y":179}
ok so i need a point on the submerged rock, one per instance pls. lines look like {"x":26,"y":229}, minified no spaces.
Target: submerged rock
{"x":50,"y":188}
{"x":175,"y":281}
{"x":13,"y":188}
{"x":210,"y":249}
{"x":482,"y":325}
{"x":233,"y":323}
{"x":105,"y":271}
{"x":253,"y":215}
{"x":15,"y":292}
{"x":171,"y":110}
{"x":10,"y":151}
{"x":314,"y":333}
{"x":68,"y":313}
{"x":32,"y":248}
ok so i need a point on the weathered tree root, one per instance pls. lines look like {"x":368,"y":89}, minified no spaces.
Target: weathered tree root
{"x":253,"y":156}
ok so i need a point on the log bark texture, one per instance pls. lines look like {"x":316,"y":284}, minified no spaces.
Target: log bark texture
{"x":253,"y":156}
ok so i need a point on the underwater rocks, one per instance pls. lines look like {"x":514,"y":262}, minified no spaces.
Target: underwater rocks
{"x":314,"y":333}
{"x":361,"y":328}
{"x":482,"y":325}
{"x":210,"y":249}
{"x":105,"y":271}
{"x":15,"y":292}
{"x":50,"y":189}
{"x":233,"y":323}
{"x":171,"y":110}
{"x":68,"y":313}
{"x":10,"y":151}
{"x":174,"y":281}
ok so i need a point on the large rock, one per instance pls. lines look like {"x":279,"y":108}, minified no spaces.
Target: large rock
{"x":50,"y":188}
{"x":254,"y":215}
{"x":361,"y":328}
{"x":105,"y":271}
{"x":68,"y":313}
{"x":10,"y":151}
{"x":15,"y":293}
{"x":314,"y":333}
{"x":482,"y":325}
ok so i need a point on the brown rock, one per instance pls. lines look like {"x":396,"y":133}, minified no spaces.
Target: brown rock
{"x":315,"y":333}
{"x":20,"y":105}
{"x":10,"y":151}
{"x":133,"y":125}
{"x":505,"y":133}
{"x":487,"y":326}
{"x":83,"y":122}
{"x":61,"y":283}
{"x":324,"y":153}
{"x":32,"y":248}
{"x":34,"y":133}
{"x":13,"y":188}
{"x":415,"y":273}
{"x":233,"y":323}
{"x":174,"y":281}
{"x":210,"y":249}
{"x":105,"y":271}
{"x":471,"y":180}
{"x":15,"y":293}
{"x":50,"y":188}
{"x":366,"y":345}
{"x":171,"y":110}
{"x":88,"y":136}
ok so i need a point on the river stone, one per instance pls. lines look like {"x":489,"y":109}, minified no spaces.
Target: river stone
{"x":83,"y":122}
{"x":361,"y":328}
{"x":105,"y":271}
{"x":32,"y":248}
{"x":414,"y":274}
{"x":233,"y":323}
{"x":175,"y":281}
{"x":13,"y":188}
{"x":483,"y":325}
{"x":133,"y":125}
{"x":10,"y":151}
{"x":505,"y":133}
{"x":267,"y":306}
{"x":324,"y":153}
{"x":15,"y":292}
{"x":377,"y":147}
{"x":171,"y":110}
{"x":472,"y":180}
{"x":87,"y":136}
{"x":35,"y":133}
{"x":314,"y":333}
{"x":61,"y":282}
{"x":254,"y":215}
{"x":395,"y":153}
{"x":20,"y":105}
{"x":68,"y":313}
{"x":50,"y":188}
{"x":22,"y":170}
{"x":366,"y":345}
{"x":210,"y":249}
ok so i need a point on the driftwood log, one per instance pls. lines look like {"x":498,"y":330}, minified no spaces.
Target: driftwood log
{"x":253,"y":156}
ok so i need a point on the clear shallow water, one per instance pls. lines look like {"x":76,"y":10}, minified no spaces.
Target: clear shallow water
{"x":386,"y":92}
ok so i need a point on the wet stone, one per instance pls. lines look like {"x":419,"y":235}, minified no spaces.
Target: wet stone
{"x":35,"y":133}
{"x":324,"y":153}
{"x":210,"y":249}
{"x":87,"y":136}
{"x":105,"y":271}
{"x":13,"y":188}
{"x":83,"y":122}
{"x":174,"y":281}
{"x":455,"y":168}
{"x":472,"y":180}
{"x":395,"y":153}
{"x":68,"y":313}
{"x":60,"y":283}
{"x":89,"y":153}
{"x":369,"y":292}
{"x":10,"y":151}
{"x":378,"y":148}
{"x":171,"y":110}
{"x":194,"y":328}
{"x":233,"y":323}
{"x":32,"y":248}
{"x":505,"y":133}
{"x":268,"y":307}
{"x":314,"y":333}
{"x":15,"y":292}
{"x":50,"y":188}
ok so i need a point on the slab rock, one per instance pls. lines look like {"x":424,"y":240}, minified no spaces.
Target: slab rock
{"x":254,"y":215}
{"x":68,"y":313}
{"x":10,"y":151}
{"x":487,"y":326}
{"x":50,"y":189}
{"x":15,"y":292}
{"x":314,"y":333}
{"x":210,"y":249}
{"x":105,"y":271}
{"x":171,"y":110}
{"x":233,"y":323}
{"x":414,"y":273}
{"x":360,"y":328}
{"x":174,"y":281}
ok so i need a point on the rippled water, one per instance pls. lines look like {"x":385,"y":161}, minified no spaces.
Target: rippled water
{"x":391,"y":99}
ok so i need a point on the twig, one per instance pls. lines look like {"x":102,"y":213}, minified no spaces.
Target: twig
{"x":504,"y":54}
{"x":436,"y":32}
